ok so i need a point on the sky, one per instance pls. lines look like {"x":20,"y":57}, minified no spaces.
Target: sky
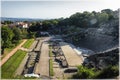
{"x":53,"y":9}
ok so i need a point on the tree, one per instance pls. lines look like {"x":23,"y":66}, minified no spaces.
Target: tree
{"x":109,"y":12}
{"x":31,"y":35}
{"x":8,"y":22}
{"x":6,"y":35}
{"x":46,"y":25}
{"x":17,"y":35}
{"x":102,"y":17}
{"x":36,"y":26}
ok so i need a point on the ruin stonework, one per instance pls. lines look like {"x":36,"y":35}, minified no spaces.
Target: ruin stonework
{"x":102,"y":38}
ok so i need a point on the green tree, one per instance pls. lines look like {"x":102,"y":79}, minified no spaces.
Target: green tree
{"x":17,"y":35}
{"x":6,"y":35}
{"x":102,"y":17}
{"x":24,"y":33}
{"x":109,"y":12}
{"x":46,"y":25}
{"x":8,"y":22}
{"x":31,"y":35}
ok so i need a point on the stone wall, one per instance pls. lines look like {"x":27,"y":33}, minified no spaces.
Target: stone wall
{"x":103,"y":59}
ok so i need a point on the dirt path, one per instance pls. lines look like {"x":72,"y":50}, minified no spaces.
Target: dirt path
{"x":12,"y":52}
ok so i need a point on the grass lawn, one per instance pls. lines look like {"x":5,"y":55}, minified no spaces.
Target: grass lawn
{"x":8,"y":50}
{"x":51,"y":67}
{"x":28,"y":43}
{"x":51,"y":72}
{"x":8,"y":69}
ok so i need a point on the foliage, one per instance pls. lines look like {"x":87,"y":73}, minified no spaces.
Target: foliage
{"x":28,"y":43}
{"x":51,"y":72}
{"x":31,"y":35}
{"x":7,"y":22}
{"x":109,"y":12}
{"x":8,"y":50}
{"x":109,"y":72}
{"x":12,"y":36}
{"x":102,"y":17}
{"x":83,"y":20}
{"x":84,"y":73}
{"x":17,"y":35}
{"x":24,"y":33}
{"x":106,"y":73}
{"x":8,"y":69}
{"x":6,"y":35}
{"x":78,"y":20}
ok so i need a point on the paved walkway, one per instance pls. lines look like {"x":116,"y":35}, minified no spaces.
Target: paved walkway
{"x":58,"y":72}
{"x":12,"y":52}
{"x":71,"y":56}
{"x":43,"y":65}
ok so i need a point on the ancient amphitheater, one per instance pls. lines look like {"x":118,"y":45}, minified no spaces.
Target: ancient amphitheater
{"x":100,"y":39}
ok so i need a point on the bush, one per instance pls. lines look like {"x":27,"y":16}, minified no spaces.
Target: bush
{"x":109,"y":72}
{"x":84,"y":73}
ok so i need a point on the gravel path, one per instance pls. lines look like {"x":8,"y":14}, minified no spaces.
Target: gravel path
{"x":12,"y":52}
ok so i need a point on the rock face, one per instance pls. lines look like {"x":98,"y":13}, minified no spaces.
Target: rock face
{"x":102,"y":38}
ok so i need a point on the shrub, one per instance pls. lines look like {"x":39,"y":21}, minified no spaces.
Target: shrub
{"x":84,"y":73}
{"x":109,"y":72}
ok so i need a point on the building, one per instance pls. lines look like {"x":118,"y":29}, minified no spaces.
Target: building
{"x":22,"y":24}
